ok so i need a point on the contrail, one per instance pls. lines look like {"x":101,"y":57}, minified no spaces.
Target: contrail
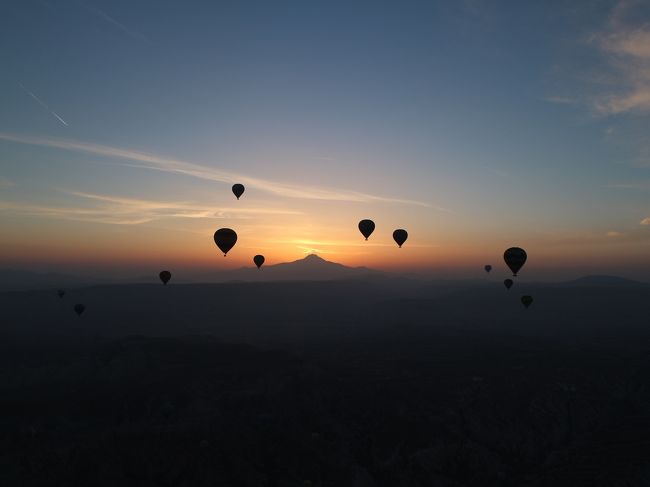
{"x":60,"y":119}
{"x":132,"y":33}
{"x":178,"y":166}
{"x":42,"y":103}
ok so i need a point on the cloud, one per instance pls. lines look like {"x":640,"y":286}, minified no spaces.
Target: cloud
{"x":308,"y":243}
{"x":626,"y":45}
{"x":633,"y":236}
{"x":177,"y":166}
{"x":645,"y":221}
{"x":114,"y":210}
{"x":564,"y":100}
{"x":5,"y":183}
{"x":637,"y":185}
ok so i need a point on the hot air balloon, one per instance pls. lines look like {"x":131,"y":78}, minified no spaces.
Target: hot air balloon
{"x":515,"y":259}
{"x":508,"y":283}
{"x":526,"y":300}
{"x":165,"y":276}
{"x":238,"y":189}
{"x":225,"y":238}
{"x":259,"y":260}
{"x":400,"y":236}
{"x":487,"y":268}
{"x":366,"y":227}
{"x":60,"y":293}
{"x":79,"y":308}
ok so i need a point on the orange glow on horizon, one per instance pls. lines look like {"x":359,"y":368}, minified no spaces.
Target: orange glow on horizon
{"x":190,"y":245}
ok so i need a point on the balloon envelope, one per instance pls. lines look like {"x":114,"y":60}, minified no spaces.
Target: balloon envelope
{"x":515,"y":258}
{"x":400,"y":236}
{"x":259,"y":260}
{"x":508,"y":283}
{"x":526,"y":300}
{"x":79,"y":308}
{"x":225,"y":238}
{"x":366,"y":227}
{"x":60,"y":293}
{"x":238,"y":189}
{"x":165,"y":276}
{"x":487,"y":268}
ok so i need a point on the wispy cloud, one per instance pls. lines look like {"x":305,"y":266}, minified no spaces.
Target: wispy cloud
{"x":43,"y":104}
{"x":609,"y":238}
{"x":71,"y":213}
{"x":626,"y":45}
{"x":635,"y":185}
{"x":313,"y":250}
{"x":115,"y":210}
{"x":563,"y":100}
{"x":5,"y":183}
{"x":310,"y":243}
{"x":177,"y":166}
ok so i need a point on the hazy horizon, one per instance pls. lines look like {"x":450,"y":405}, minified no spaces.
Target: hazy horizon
{"x":200,"y":274}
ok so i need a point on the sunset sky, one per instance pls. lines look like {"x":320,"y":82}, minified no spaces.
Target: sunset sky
{"x":473,"y":125}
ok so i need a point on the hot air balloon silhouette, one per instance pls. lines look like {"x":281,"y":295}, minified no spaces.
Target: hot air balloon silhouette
{"x":366,"y":227}
{"x":259,"y":260}
{"x":225,"y":238}
{"x":400,"y":236}
{"x":60,"y":293}
{"x":526,"y":300}
{"x":79,"y":308}
{"x":165,"y":276}
{"x":487,"y":268}
{"x":508,"y":283}
{"x":238,"y":189}
{"x":515,"y":258}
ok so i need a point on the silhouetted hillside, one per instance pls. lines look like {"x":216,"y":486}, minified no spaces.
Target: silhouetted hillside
{"x":604,"y":281}
{"x":274,"y":310}
{"x":312,"y":268}
{"x":372,"y":382}
{"x":19,"y":280}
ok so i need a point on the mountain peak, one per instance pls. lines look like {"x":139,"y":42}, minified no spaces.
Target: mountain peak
{"x":310,"y":267}
{"x":313,"y":258}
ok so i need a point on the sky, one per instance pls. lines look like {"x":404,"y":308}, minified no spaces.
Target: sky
{"x":473,"y":125}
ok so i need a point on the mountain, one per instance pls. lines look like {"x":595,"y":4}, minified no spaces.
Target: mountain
{"x":603,"y":281}
{"x":17,"y":280}
{"x":20,"y":280}
{"x":311,"y":268}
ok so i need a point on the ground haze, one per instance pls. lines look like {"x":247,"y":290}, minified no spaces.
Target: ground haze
{"x":370,"y":380}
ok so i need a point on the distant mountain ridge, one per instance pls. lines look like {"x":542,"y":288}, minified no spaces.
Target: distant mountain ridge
{"x":19,"y":280}
{"x":603,"y":281}
{"x":312,"y":267}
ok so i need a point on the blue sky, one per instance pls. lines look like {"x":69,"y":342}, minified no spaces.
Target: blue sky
{"x":473,"y":124}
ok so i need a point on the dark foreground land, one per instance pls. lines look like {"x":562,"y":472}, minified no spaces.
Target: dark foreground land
{"x":350,"y":383}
